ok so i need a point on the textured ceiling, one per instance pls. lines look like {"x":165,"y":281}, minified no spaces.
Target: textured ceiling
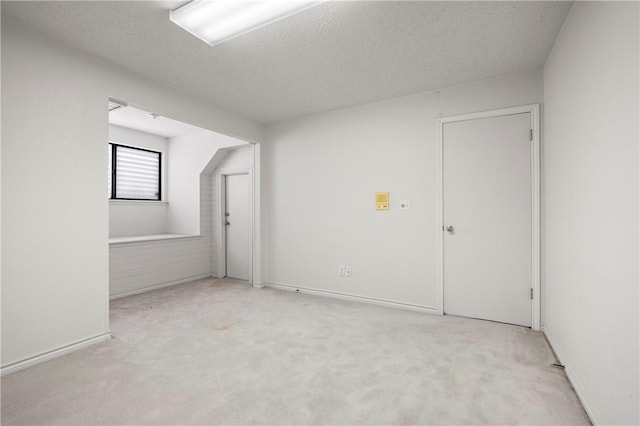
{"x":137,"y":119}
{"x":338,"y":54}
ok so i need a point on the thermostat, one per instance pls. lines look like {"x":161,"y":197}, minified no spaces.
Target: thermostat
{"x":382,"y":201}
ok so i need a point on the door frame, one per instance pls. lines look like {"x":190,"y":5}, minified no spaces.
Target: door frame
{"x":221,"y":186}
{"x":534,"y":110}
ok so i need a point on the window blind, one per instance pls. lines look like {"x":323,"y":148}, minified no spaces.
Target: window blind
{"x":137,"y":174}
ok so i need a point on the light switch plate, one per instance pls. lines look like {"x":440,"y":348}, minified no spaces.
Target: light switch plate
{"x":405,"y":205}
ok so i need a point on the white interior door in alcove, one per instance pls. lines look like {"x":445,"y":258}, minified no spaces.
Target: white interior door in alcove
{"x":237,"y":224}
{"x":488,"y":218}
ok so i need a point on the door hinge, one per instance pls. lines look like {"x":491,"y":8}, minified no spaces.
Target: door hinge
{"x":531,"y":134}
{"x":532,"y":294}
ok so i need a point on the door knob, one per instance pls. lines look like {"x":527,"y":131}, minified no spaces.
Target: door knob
{"x":450,"y":229}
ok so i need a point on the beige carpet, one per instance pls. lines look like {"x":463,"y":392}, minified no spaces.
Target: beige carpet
{"x":219,"y":352}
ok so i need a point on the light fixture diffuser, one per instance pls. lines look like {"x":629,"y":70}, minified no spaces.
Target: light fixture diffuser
{"x":215,"y":21}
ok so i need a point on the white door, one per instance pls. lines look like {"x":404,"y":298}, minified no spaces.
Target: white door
{"x":237,"y":226}
{"x":487,"y":215}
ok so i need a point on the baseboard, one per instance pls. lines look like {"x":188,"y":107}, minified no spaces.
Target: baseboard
{"x":572,"y":379}
{"x":354,"y":298}
{"x":55,"y":353}
{"x":158,"y":286}
{"x":259,"y":285}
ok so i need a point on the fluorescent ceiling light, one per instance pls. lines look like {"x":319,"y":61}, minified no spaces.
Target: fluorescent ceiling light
{"x":215,"y":21}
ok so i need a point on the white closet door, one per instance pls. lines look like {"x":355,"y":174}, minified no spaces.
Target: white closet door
{"x":488,"y":218}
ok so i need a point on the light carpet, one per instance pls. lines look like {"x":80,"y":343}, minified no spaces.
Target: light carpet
{"x":220,"y":352}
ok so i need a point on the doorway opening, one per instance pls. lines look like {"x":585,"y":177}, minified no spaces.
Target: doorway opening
{"x":164,"y":234}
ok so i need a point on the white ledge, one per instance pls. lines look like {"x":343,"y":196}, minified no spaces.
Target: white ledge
{"x":138,"y":202}
{"x":146,"y":238}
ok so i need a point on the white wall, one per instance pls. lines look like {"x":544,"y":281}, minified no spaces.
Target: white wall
{"x":54,"y":210}
{"x":189,"y":154}
{"x":129,"y":218}
{"x":239,"y":158}
{"x":319,"y":176}
{"x":133,"y":218}
{"x":591,"y":213}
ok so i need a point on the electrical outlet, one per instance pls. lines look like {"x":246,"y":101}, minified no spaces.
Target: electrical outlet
{"x":347,"y":271}
{"x":341,"y":271}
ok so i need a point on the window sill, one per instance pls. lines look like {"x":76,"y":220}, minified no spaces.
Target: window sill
{"x":148,"y":238}
{"x":138,"y":202}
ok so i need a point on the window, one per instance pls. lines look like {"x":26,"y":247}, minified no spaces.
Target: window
{"x":134,"y":173}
